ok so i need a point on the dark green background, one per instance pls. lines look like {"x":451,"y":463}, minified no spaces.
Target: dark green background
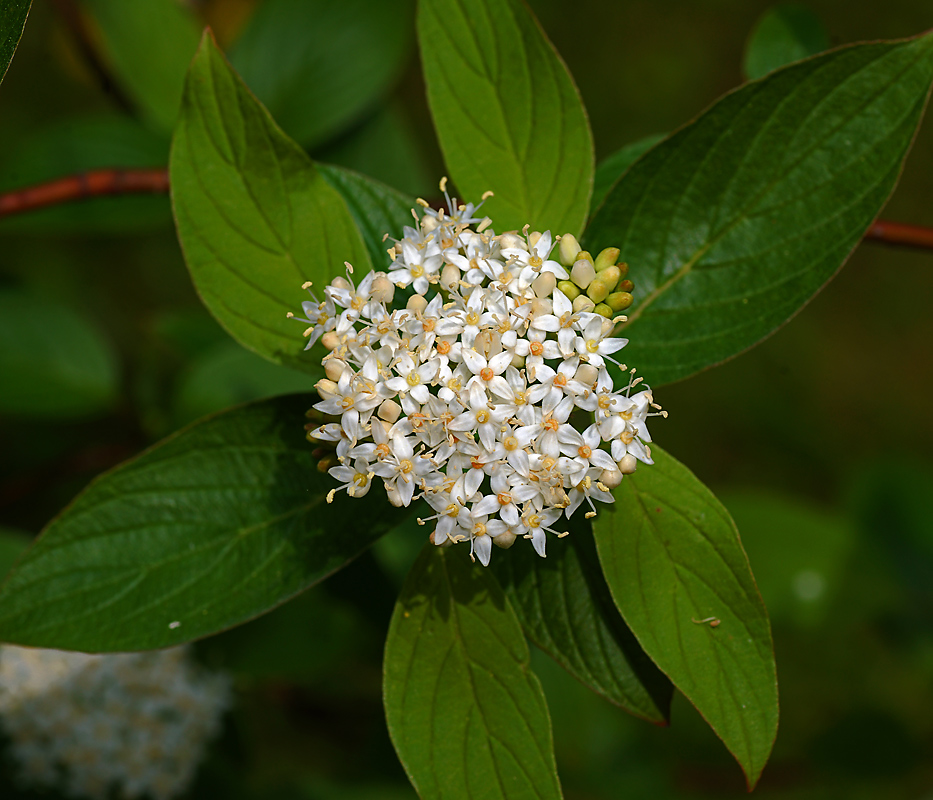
{"x":819,"y":441}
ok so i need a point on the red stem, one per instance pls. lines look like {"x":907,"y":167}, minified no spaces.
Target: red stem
{"x":94,"y":183}
{"x":102,"y":182}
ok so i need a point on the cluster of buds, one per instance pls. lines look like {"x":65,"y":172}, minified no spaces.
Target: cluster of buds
{"x":126,"y":725}
{"x":461,"y":375}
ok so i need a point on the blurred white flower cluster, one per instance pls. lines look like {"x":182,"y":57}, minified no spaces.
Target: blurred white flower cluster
{"x":124,"y":725}
{"x":466,"y":394}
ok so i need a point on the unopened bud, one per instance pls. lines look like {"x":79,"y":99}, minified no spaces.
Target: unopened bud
{"x":326,"y":388}
{"x":543,"y":285}
{"x":541,"y":305}
{"x":334,"y":368}
{"x":326,"y":463}
{"x":623,"y":269}
{"x":604,"y":283}
{"x":518,"y":361}
{"x":504,"y":540}
{"x":628,"y":464}
{"x":619,"y":301}
{"x":586,"y":374}
{"x":510,"y":241}
{"x":389,"y":411}
{"x":583,"y":304}
{"x":604,"y":311}
{"x":382,"y":290}
{"x":583,"y":273}
{"x":450,"y":276}
{"x":428,"y":223}
{"x":341,"y":283}
{"x":533,"y":238}
{"x":570,"y":289}
{"x":395,"y":497}
{"x":611,"y":478}
{"x":330,"y":340}
{"x":606,"y":258}
{"x":569,"y":247}
{"x":608,"y":325}
{"x":416,"y":303}
{"x":625,"y":286}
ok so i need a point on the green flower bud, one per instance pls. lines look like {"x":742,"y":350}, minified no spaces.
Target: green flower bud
{"x":606,"y":258}
{"x":603,"y":310}
{"x":623,"y":269}
{"x":583,"y":273}
{"x":625,"y":286}
{"x":569,"y":247}
{"x":543,"y":285}
{"x":583,"y":303}
{"x":569,"y":288}
{"x":604,"y":283}
{"x":619,"y":301}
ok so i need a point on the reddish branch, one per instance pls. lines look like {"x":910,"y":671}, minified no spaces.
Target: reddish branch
{"x":901,"y":233}
{"x":103,"y":182}
{"x":84,"y":185}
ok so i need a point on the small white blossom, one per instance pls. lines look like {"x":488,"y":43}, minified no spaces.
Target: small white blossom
{"x":463,"y":393}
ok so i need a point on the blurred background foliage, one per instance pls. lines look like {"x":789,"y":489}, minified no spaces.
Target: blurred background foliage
{"x":818,"y":441}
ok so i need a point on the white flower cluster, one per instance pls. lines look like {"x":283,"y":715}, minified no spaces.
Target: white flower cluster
{"x":124,"y":725}
{"x":465,"y":395}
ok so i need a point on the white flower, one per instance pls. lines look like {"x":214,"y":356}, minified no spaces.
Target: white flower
{"x":462,"y":394}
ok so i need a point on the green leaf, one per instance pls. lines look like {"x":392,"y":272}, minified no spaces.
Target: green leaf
{"x":784,"y":34}
{"x":566,"y":609}
{"x":508,"y":115}
{"x":318,"y":65}
{"x":149,"y":44}
{"x":467,"y":716}
{"x":677,"y":571}
{"x":13,"y":15}
{"x":213,"y":526}
{"x":255,"y":217}
{"x":53,"y":362}
{"x":613,"y":167}
{"x":376,"y":208}
{"x":76,"y":145}
{"x":13,"y":544}
{"x":733,"y":223}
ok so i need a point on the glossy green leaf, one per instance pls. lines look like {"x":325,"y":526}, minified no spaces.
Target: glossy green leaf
{"x":784,"y":34}
{"x":677,"y":571}
{"x":53,"y":362}
{"x":213,"y":526}
{"x":13,"y":544}
{"x":566,"y":609}
{"x":733,"y":223}
{"x":377,"y":210}
{"x":318,"y":65}
{"x":149,"y":44}
{"x":613,"y":167}
{"x":255,"y":217}
{"x":13,"y":15}
{"x":507,"y":113}
{"x":467,"y":716}
{"x":78,"y":144}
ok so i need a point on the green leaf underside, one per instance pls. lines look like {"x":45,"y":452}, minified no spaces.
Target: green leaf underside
{"x":733,"y":223}
{"x":294,"y":55}
{"x":255,"y":217}
{"x":613,"y":167}
{"x":13,"y":15}
{"x":213,"y":526}
{"x":467,"y":716}
{"x":149,"y":44}
{"x":784,"y":34}
{"x":508,"y":115}
{"x":566,"y":609}
{"x":69,"y":370}
{"x":377,"y":210}
{"x":673,"y":561}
